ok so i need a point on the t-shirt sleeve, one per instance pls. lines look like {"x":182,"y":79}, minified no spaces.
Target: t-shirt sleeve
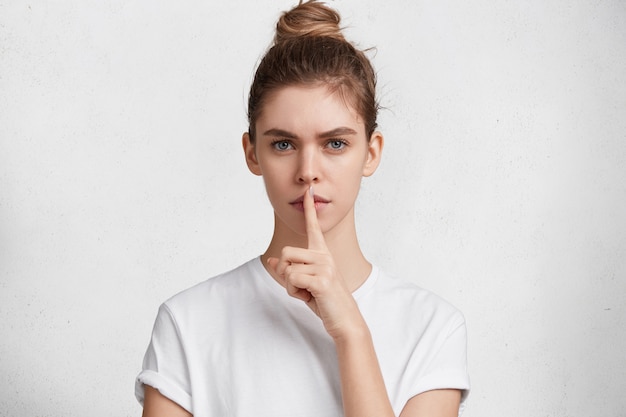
{"x":165,"y":363}
{"x":448,"y":367}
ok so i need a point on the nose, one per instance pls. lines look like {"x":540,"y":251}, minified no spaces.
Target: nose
{"x":308,"y":171}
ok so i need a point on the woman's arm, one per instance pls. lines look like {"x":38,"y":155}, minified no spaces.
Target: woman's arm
{"x":363,"y":389}
{"x":436,"y":403}
{"x":157,"y":405}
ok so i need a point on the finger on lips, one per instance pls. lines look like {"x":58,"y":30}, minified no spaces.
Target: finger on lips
{"x":294,"y":260}
{"x":315,"y":237}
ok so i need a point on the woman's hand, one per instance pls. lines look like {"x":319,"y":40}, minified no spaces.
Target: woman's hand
{"x":311,"y":275}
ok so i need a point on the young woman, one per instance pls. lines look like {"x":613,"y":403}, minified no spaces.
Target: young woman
{"x":310,"y":328}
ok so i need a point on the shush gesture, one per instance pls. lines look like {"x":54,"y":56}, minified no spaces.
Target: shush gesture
{"x":311,"y":122}
{"x":310,"y":274}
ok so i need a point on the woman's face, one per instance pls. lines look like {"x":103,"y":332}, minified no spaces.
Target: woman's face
{"x":308,"y":136}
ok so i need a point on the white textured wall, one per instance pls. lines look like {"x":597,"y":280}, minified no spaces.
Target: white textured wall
{"x":503,"y":186}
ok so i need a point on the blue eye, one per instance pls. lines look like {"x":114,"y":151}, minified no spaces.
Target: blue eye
{"x":336,"y":144}
{"x":281,"y":145}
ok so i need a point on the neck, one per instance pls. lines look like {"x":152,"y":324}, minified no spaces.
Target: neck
{"x":341,"y":241}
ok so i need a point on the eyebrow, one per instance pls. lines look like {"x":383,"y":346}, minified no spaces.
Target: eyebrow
{"x":340,"y":131}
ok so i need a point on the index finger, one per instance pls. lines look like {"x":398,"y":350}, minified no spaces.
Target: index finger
{"x":315,"y":237}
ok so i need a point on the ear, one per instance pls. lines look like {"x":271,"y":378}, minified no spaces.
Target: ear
{"x":250,"y":152}
{"x":374,"y":153}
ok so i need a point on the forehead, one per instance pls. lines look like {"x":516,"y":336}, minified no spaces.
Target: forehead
{"x":316,"y":108}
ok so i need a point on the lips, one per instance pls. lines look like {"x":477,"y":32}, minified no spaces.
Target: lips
{"x":320,"y":202}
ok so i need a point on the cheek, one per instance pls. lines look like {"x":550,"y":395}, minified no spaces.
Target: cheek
{"x":347,"y":183}
{"x":351,"y":170}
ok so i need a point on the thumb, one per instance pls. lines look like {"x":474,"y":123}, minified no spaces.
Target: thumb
{"x":272,"y":263}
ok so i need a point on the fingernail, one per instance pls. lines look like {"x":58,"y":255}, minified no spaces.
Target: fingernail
{"x":311,"y":191}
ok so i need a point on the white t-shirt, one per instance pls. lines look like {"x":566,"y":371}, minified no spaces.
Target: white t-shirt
{"x":239,"y":345}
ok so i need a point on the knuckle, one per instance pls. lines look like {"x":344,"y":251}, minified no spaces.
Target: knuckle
{"x":328,"y":271}
{"x":324,"y":285}
{"x":291,"y":290}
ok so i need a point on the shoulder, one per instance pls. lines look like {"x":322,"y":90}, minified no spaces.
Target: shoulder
{"x":217,"y":291}
{"x":402,"y":298}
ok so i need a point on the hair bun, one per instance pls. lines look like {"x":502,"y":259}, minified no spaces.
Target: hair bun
{"x":308,"y":19}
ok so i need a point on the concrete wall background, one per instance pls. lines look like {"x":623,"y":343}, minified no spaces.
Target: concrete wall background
{"x":502,"y":187}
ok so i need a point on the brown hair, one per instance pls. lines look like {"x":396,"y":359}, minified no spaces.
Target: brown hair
{"x":309,"y":49}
